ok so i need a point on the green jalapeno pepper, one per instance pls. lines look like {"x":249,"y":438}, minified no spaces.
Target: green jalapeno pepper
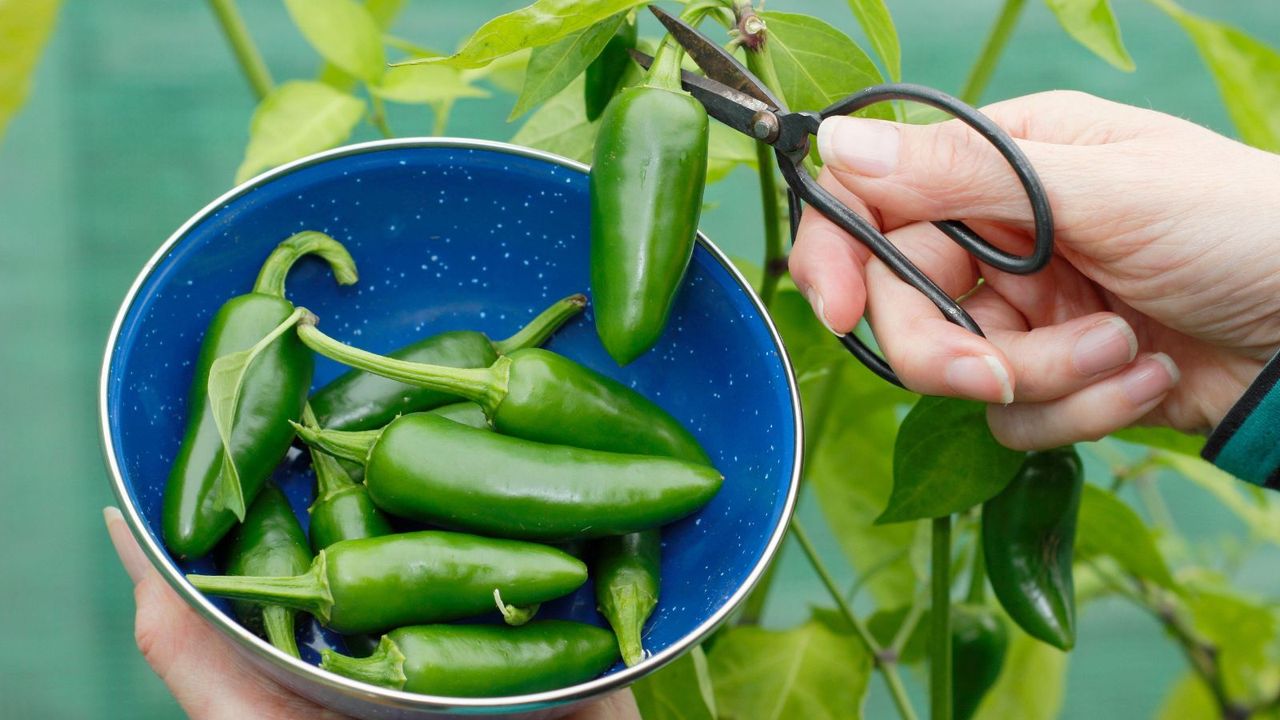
{"x":428,"y":468}
{"x":647,"y":179}
{"x":627,"y":577}
{"x":364,"y":401}
{"x":1028,"y":536}
{"x":979,"y":642}
{"x":604,"y":74}
{"x":538,"y":395}
{"x":198,"y":509}
{"x":482,"y":660}
{"x":375,"y":584}
{"x":269,"y":542}
{"x":342,"y":509}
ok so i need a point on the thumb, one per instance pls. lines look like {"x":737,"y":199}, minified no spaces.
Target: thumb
{"x":937,"y":172}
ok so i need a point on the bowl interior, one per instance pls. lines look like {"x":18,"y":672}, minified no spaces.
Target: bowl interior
{"x":480,"y":238}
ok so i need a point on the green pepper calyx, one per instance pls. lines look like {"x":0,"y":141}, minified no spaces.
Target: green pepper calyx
{"x":309,"y":591}
{"x":352,"y":445}
{"x":485,"y":386}
{"x":385,"y":667}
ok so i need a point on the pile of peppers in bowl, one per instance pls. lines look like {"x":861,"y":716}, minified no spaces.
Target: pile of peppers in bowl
{"x":531,"y":470}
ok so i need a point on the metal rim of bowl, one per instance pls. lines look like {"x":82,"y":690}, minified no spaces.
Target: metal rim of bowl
{"x":400,"y":698}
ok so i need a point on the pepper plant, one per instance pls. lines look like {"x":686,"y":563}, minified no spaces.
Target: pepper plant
{"x":908,"y":521}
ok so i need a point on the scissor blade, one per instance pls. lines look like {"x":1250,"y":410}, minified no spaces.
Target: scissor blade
{"x":722,"y":102}
{"x":719,"y":64}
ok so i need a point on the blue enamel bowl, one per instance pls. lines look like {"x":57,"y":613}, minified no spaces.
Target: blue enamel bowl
{"x":458,"y":234}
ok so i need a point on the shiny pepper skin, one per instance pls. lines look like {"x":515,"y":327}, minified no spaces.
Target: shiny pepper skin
{"x":647,"y":179}
{"x":196,"y":513}
{"x":1028,"y":537}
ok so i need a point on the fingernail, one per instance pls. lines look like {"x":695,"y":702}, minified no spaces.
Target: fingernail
{"x":1151,"y":378}
{"x":1106,"y":346}
{"x":134,"y":563}
{"x":858,"y":145}
{"x":819,"y":308}
{"x":981,"y":378}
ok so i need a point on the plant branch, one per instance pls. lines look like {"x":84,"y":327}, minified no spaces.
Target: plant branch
{"x":378,"y":116}
{"x":985,"y":65}
{"x":940,"y":621}
{"x":1201,"y":655}
{"x":237,"y":34}
{"x":886,"y":663}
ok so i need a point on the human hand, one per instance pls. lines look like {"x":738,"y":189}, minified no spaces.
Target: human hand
{"x":1160,"y":305}
{"x":203,"y":671}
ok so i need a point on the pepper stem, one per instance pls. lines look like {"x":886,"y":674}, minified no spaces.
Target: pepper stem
{"x":484,"y":386}
{"x":543,"y":326}
{"x":331,"y":477}
{"x":309,"y":242}
{"x":512,"y":615}
{"x":308,"y":592}
{"x":664,"y":71}
{"x":278,"y":622}
{"x":385,"y":667}
{"x":352,"y":445}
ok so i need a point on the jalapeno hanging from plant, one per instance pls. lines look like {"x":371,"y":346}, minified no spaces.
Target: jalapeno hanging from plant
{"x":979,"y":643}
{"x":1028,"y":538}
{"x":432,"y":469}
{"x":251,"y":379}
{"x":364,"y":401}
{"x":647,"y":178}
{"x":380,"y":583}
{"x":269,"y":542}
{"x":482,"y":660}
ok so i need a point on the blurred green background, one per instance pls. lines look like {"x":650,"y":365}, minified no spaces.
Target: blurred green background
{"x":138,"y":117}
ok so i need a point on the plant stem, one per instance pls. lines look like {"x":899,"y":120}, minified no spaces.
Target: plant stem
{"x":940,"y":622}
{"x":985,"y":65}
{"x":978,"y":577}
{"x":378,"y":116}
{"x":887,"y":665}
{"x":774,"y":253}
{"x":237,"y":34}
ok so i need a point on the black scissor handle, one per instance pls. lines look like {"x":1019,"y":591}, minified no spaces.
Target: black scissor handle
{"x":964,"y":236}
{"x":806,"y":189}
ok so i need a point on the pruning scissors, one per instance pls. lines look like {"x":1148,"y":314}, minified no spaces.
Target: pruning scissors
{"x":737,"y":98}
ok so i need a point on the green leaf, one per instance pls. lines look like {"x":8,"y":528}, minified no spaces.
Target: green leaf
{"x":384,"y":13}
{"x":553,"y":66}
{"x":849,"y":417}
{"x":505,"y":73}
{"x":541,"y":23}
{"x":885,"y":624}
{"x":810,"y":672}
{"x":726,"y":150}
{"x":344,"y":33}
{"x":1190,"y":699}
{"x":425,"y":84}
{"x":1031,"y":682}
{"x":1107,"y":526}
{"x":679,"y":691}
{"x":1247,"y":72}
{"x":1163,"y":438}
{"x":298,"y":118}
{"x":946,"y":460}
{"x":877,"y":23}
{"x":817,"y":64}
{"x":561,"y":126}
{"x":25,"y":27}
{"x":1094,"y":26}
{"x":226,"y":378}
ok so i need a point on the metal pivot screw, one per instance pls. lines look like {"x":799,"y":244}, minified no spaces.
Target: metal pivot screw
{"x":764,"y":126}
